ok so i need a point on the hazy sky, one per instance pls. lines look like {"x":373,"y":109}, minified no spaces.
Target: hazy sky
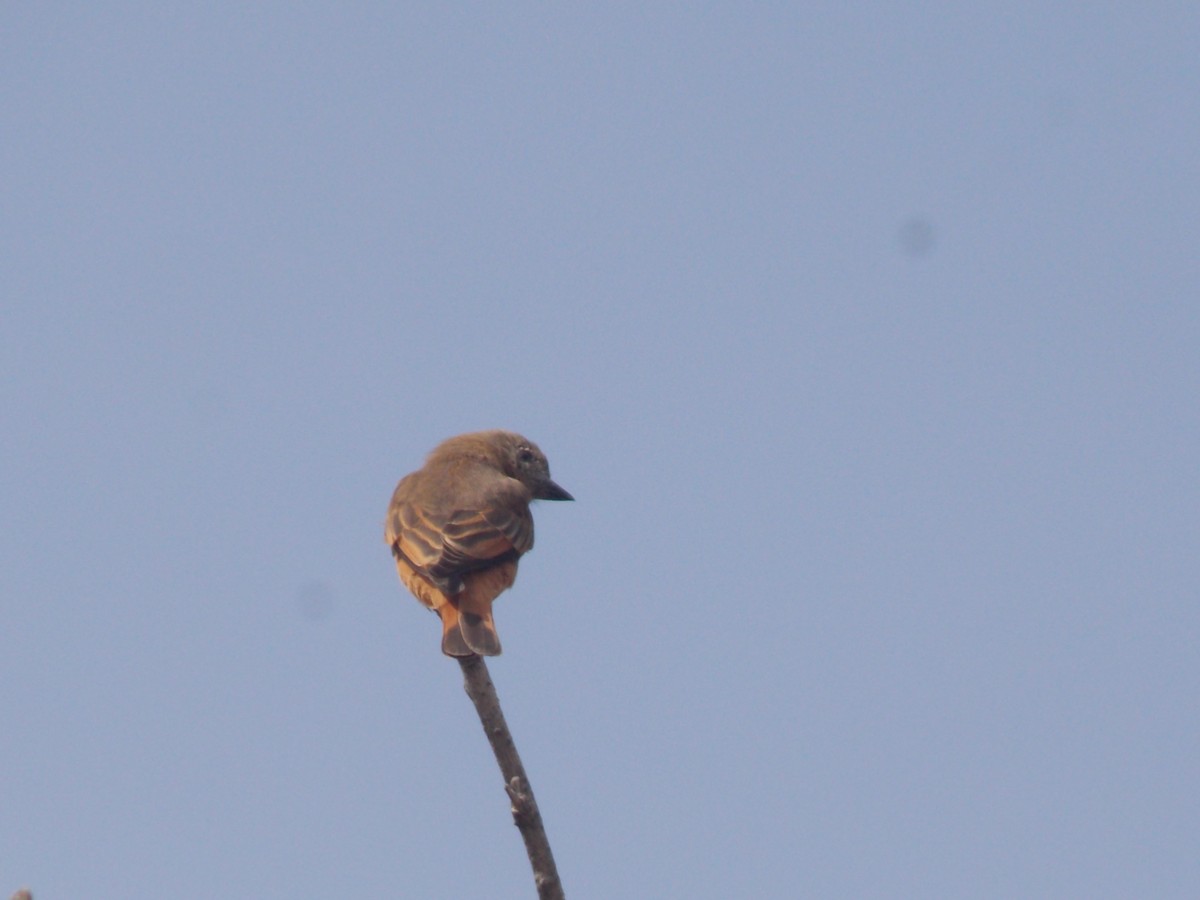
{"x":867,"y":338}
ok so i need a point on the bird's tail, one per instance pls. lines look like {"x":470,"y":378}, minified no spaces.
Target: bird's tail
{"x":469,"y":632}
{"x":453,"y":643}
{"x":476,"y":626}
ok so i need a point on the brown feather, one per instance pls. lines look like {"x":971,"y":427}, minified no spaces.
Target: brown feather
{"x":458,"y":526}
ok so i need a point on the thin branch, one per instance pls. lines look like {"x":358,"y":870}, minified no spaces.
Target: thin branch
{"x":524,"y":807}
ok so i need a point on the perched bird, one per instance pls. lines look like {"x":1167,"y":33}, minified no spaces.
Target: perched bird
{"x":458,"y":525}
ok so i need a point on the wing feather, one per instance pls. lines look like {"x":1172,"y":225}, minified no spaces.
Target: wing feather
{"x":474,"y":539}
{"x":444,"y":548}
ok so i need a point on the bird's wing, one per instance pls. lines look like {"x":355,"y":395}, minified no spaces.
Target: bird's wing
{"x":444,"y":547}
{"x":414,"y":534}
{"x":472,"y":539}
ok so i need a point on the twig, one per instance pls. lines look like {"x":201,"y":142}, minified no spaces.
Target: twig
{"x":524,"y":807}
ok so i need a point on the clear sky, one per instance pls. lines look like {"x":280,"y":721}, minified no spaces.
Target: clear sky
{"x":866,"y":336}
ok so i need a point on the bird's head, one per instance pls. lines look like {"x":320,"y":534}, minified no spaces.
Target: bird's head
{"x":524,"y":461}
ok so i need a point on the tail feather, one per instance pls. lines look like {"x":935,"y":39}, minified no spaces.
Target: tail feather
{"x":479,"y":634}
{"x":453,"y":643}
{"x":468,"y":633}
{"x":476,"y":624}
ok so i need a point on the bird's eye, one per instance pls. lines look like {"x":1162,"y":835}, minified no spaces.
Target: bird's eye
{"x":525,"y":455}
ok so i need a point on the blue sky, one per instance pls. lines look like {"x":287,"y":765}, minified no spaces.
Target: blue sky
{"x":866,"y":338}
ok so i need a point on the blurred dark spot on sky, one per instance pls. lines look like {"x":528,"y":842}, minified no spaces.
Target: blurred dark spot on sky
{"x":314,"y":600}
{"x":915,"y":236}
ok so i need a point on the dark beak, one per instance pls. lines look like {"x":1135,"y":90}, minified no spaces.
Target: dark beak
{"x":551,"y":491}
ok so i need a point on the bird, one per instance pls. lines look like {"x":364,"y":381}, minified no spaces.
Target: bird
{"x":458,"y":526}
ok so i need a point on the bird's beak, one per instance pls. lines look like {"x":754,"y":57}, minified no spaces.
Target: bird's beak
{"x":551,"y":491}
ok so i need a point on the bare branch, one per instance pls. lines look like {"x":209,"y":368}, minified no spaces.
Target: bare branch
{"x":524,"y":807}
